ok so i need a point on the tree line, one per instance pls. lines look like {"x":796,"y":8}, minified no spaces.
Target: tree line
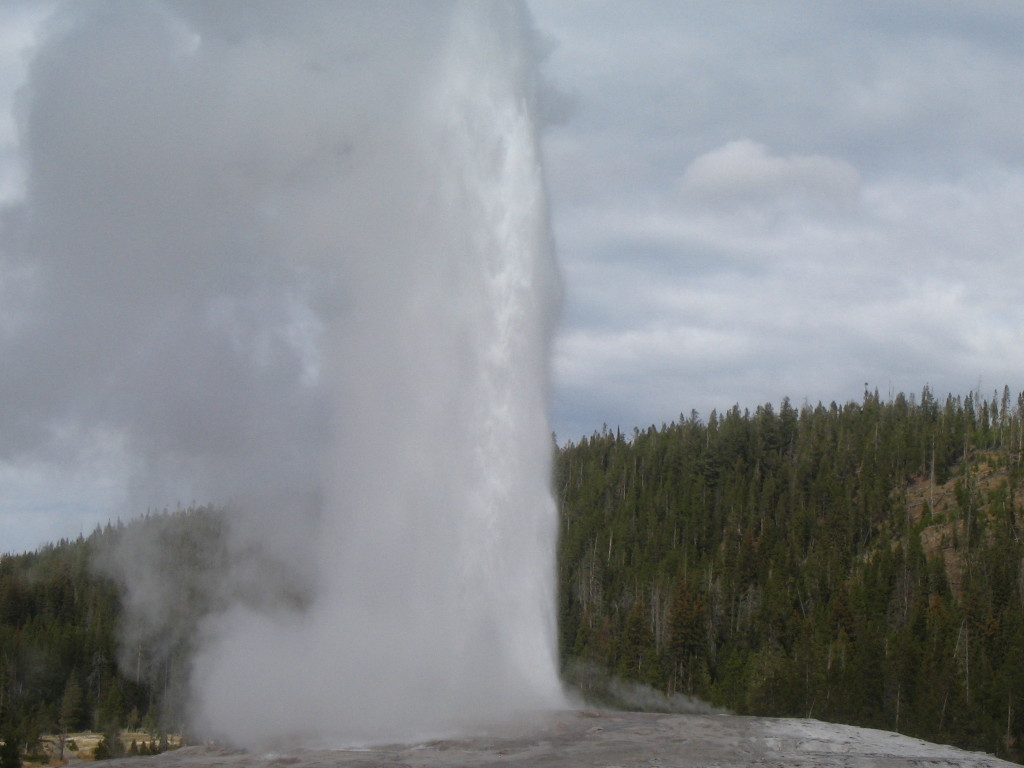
{"x":64,"y":663}
{"x":857,"y":563}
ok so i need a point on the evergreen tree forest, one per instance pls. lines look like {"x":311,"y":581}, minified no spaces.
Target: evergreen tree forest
{"x":860,"y":564}
{"x":65,"y":665}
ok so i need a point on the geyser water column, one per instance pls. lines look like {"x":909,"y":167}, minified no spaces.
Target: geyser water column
{"x":436,"y":602}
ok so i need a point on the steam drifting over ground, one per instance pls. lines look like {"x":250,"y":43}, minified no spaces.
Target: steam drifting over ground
{"x":295,"y":258}
{"x":592,"y":738}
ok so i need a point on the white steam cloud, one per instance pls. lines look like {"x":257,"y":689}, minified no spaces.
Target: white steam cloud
{"x":295,"y":258}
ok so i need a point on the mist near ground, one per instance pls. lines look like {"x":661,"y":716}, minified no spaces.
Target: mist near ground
{"x":590,"y":685}
{"x":295,"y":260}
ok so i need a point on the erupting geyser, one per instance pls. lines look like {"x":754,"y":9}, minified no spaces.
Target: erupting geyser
{"x":436,"y":547}
{"x":294,"y":259}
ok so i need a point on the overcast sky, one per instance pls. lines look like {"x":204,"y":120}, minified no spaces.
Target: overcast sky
{"x":751,"y":201}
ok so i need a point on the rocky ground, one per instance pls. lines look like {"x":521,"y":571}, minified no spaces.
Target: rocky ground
{"x":589,"y":738}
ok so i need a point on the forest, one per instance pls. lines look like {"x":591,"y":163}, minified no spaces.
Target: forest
{"x":859,"y":563}
{"x":67,"y":661}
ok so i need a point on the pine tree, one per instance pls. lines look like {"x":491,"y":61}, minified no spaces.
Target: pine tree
{"x":687,"y":649}
{"x":70,"y":708}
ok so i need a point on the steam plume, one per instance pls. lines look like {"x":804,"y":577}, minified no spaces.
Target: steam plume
{"x":295,"y":258}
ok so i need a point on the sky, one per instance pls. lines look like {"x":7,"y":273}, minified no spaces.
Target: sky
{"x":750,"y":201}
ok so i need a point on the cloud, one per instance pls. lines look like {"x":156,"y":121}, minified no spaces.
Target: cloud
{"x":767,"y":200}
{"x":757,"y":291}
{"x":743,"y":171}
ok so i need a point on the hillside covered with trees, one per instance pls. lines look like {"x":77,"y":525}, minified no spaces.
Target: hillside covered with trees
{"x":858,"y":563}
{"x":64,"y":662}
{"x":861,"y":563}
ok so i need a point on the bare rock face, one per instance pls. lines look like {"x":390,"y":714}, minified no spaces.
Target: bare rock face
{"x":590,"y":738}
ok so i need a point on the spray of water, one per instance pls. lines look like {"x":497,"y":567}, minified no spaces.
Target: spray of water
{"x":436,"y":546}
{"x":295,"y":258}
